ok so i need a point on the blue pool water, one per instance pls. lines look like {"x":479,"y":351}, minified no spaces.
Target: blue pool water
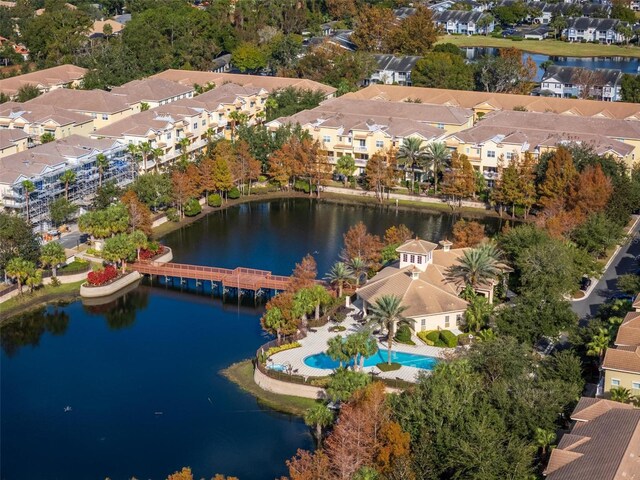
{"x":322,"y":360}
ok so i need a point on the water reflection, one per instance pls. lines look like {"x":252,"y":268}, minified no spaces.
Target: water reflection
{"x":120,"y":312}
{"x":27,"y":329}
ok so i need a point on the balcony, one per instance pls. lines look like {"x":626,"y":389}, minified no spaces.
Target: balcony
{"x":361,"y":149}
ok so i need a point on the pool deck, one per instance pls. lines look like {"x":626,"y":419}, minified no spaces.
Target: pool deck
{"x":316,"y":342}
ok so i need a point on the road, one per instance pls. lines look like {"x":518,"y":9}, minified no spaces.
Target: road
{"x":72,"y":239}
{"x":624,"y":262}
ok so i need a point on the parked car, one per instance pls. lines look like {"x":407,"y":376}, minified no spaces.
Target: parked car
{"x":585,"y":283}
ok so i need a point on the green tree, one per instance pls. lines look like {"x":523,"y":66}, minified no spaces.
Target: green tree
{"x":105,"y":223}
{"x":476,"y":316}
{"x":153,"y":189}
{"x":339,"y":274}
{"x":61,"y":210}
{"x":629,"y":283}
{"x":558,"y":23}
{"x":27,"y":187}
{"x":477,"y":266}
{"x":544,"y":439}
{"x":27,"y":92}
{"x":439,"y":156}
{"x":346,"y":166}
{"x":47,"y":137}
{"x":17,"y":239}
{"x":412,"y":154}
{"x":290,"y":100}
{"x":119,"y":248}
{"x":102,"y":162}
{"x":249,"y":57}
{"x":359,"y":268}
{"x":630,"y":85}
{"x":106,"y":195}
{"x":139,"y":240}
{"x":20,"y":270}
{"x":597,"y":234}
{"x":319,"y":416}
{"x":336,"y":350}
{"x":621,"y":11}
{"x":620,"y":394}
{"x":68,"y":178}
{"x":51,"y":255}
{"x":598,"y":344}
{"x":387,"y":312}
{"x":343,"y":383}
{"x":443,"y":70}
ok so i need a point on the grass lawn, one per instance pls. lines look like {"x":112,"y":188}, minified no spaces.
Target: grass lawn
{"x":241,"y":374}
{"x":547,"y":47}
{"x":41,"y":296}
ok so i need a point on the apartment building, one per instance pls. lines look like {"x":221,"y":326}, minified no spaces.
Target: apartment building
{"x":195,"y":119}
{"x":464,"y":22}
{"x":103,"y":107}
{"x":483,"y":103}
{"x":13,"y":141}
{"x":393,"y":69}
{"x":621,"y":365}
{"x":44,"y":165}
{"x":37,"y":120}
{"x":268,"y":83}
{"x":602,"y":83}
{"x":153,"y":92}
{"x":603,"y":30}
{"x":604,"y":443}
{"x":361,"y":128}
{"x":63,"y":76}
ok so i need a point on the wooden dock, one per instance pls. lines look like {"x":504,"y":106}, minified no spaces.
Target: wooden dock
{"x":240,"y":278}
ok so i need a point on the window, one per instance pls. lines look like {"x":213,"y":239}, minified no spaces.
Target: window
{"x":105,"y":116}
{"x":419,"y":259}
{"x":326,"y":139}
{"x":458,"y":318}
{"x":404,"y":257}
{"x":491,"y":153}
{"x":169,"y":136}
{"x":446,"y":321}
{"x":423,"y":323}
{"x":362,"y":143}
{"x":195,"y":126}
{"x":441,"y":126}
{"x":615,"y":382}
{"x":635,"y":385}
{"x":379,"y":144}
{"x":203,"y":123}
{"x":509,"y":155}
{"x":412,"y":259}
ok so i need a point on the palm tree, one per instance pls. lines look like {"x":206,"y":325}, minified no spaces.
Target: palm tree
{"x":133,"y":151}
{"x":68,"y":177}
{"x":339,"y":274}
{"x":318,"y":416}
{"x":487,"y":335}
{"x":145,"y":150}
{"x":157,"y":154}
{"x":477,"y":314}
{"x":51,"y":255}
{"x":387,"y":312}
{"x":544,"y":438}
{"x":477,"y":266}
{"x":184,"y":152}
{"x":620,"y":394}
{"x":599,"y":344}
{"x":19,"y":269}
{"x":367,"y":346}
{"x":237,"y":118}
{"x":27,"y":187}
{"x":438,"y":155}
{"x":102,"y":163}
{"x":412,"y":153}
{"x":358,"y":268}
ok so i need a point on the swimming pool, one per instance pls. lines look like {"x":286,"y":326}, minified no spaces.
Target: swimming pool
{"x":322,"y":360}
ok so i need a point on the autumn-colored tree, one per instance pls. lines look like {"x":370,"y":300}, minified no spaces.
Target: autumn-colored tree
{"x":459,"y":180}
{"x":284,"y":163}
{"x":279,"y":318}
{"x":359,"y":243}
{"x":317,"y":168}
{"x":397,"y":235}
{"x":372,"y":28}
{"x":589,"y":192}
{"x":341,"y":9}
{"x":182,"y":190}
{"x":304,"y":274}
{"x":507,"y":188}
{"x":195,"y":179}
{"x":526,"y":182}
{"x":309,"y":466}
{"x":184,"y":474}
{"x":222,"y":178}
{"x":416,"y":34}
{"x":467,"y":233}
{"x":558,"y":178}
{"x":380,"y":173}
{"x":139,"y":213}
{"x":206,"y":168}
{"x":245,"y":167}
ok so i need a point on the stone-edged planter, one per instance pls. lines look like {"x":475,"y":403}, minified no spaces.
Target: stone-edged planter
{"x":88,"y":291}
{"x":165,"y":257}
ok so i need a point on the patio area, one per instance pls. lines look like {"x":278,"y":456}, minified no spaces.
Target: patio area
{"x":316,"y":342}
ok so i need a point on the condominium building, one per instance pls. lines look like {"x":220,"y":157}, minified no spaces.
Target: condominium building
{"x":464,"y":22}
{"x":37,"y":120}
{"x":63,"y":76}
{"x":602,"y":30}
{"x":602,"y":83}
{"x":45,"y":164}
{"x":153,"y":92}
{"x":13,"y":141}
{"x":361,"y":129}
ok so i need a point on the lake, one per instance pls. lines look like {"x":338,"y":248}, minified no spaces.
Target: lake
{"x":140,"y":375}
{"x":625,"y":64}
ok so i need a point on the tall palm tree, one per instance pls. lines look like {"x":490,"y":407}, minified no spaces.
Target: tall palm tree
{"x":387,"y":312}
{"x":339,"y":274}
{"x":620,"y":394}
{"x":145,"y":150}
{"x":476,"y":266}
{"x":412,"y":154}
{"x":319,"y":416}
{"x":19,"y":269}
{"x":477,"y":314}
{"x":134,"y":154}
{"x":102,"y":163}
{"x":27,"y":187}
{"x":438,"y":155}
{"x":68,"y":177}
{"x":599,"y":344}
{"x":359,"y":268}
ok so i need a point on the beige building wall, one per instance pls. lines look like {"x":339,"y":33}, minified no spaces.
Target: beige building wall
{"x":444,"y":321}
{"x":614,"y":378}
{"x":16,"y":147}
{"x":103,"y":119}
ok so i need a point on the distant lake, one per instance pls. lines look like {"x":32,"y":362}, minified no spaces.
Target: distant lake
{"x":141,"y":374}
{"x":626,"y":64}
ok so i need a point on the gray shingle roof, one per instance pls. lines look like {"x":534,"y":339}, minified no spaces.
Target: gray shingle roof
{"x":396,"y":63}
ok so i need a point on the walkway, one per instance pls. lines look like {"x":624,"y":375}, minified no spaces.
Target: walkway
{"x":316,"y":342}
{"x":241,"y":278}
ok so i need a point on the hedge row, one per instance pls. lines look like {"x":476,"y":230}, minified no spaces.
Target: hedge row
{"x":439,"y":338}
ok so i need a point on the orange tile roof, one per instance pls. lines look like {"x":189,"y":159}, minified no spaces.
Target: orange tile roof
{"x":629,"y":331}
{"x":622,"y":359}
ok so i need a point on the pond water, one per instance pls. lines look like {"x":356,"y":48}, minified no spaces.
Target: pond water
{"x":132,"y":388}
{"x":626,"y":64}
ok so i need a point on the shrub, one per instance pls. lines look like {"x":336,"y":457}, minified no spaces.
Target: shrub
{"x":449,"y":338}
{"x":281,"y":348}
{"x":337,"y":328}
{"x":463,"y":339}
{"x":259,"y":190}
{"x":172,"y":215}
{"x":301,"y":185}
{"x":385,"y":367}
{"x":262,"y":179}
{"x":214,"y":200}
{"x":192,"y":208}
{"x":340,"y":317}
{"x":234,"y":193}
{"x":423,"y":336}
{"x":100,"y":277}
{"x":433,"y":335}
{"x":403,"y":334}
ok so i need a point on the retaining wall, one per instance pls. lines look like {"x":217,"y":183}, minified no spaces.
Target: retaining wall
{"x":94,"y":292}
{"x":285,"y":388}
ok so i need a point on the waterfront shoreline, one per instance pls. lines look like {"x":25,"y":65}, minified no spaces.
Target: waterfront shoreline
{"x":40,"y":298}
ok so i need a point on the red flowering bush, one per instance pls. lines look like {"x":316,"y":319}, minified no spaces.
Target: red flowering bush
{"x":152,"y":251}
{"x":101,"y":277}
